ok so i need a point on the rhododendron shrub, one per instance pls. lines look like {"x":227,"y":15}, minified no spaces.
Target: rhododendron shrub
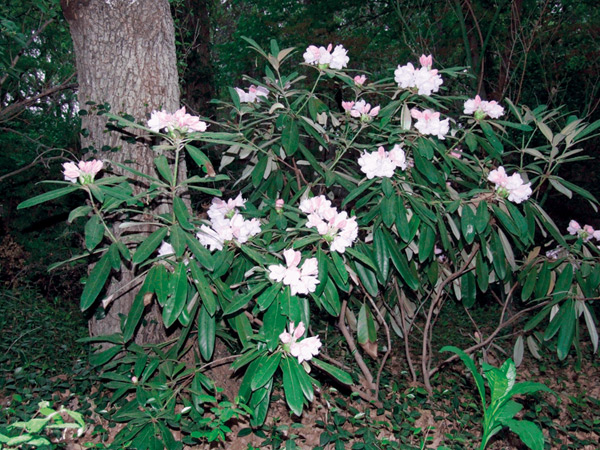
{"x":344,"y":216}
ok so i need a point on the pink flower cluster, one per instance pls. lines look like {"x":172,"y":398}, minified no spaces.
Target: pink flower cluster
{"x":253,"y":95}
{"x":382,"y":163}
{"x":359,"y":80}
{"x":305,"y":349}
{"x":481,"y":108}
{"x":428,"y":122}
{"x":426,"y":80}
{"x":362,"y":110}
{"x":300,"y":280}
{"x":84,"y":171}
{"x":337,"y":229}
{"x":227,"y":224}
{"x":179,"y":120}
{"x":511,"y":187}
{"x":324,"y":57}
{"x":586,"y":232}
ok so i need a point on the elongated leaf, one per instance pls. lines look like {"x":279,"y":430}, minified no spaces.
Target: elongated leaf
{"x":177,"y":300}
{"x":290,"y":136}
{"x":267,"y":365}
{"x":163,"y":168}
{"x":382,"y":257}
{"x":338,"y":374}
{"x":367,"y":278}
{"x":204,"y":290}
{"x":201,"y":159}
{"x":182,"y":214}
{"x":150,"y":244}
{"x":94,"y":232}
{"x":242,"y":301}
{"x":567,"y":330}
{"x":206,"y":333}
{"x":47,"y":196}
{"x":401,"y":263}
{"x":177,"y":240}
{"x":468,"y":289}
{"x":136,"y":311}
{"x":95,"y":282}
{"x":291,"y":386}
{"x":203,"y":256}
{"x":527,"y":431}
{"x":467,"y":361}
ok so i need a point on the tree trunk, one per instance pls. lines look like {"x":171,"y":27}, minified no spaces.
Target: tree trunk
{"x":125,"y":54}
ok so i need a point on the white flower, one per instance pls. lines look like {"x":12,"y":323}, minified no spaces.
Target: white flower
{"x":511,"y":187}
{"x":339,"y":60}
{"x":428,"y":122}
{"x":253,"y":95}
{"x":426,"y":80}
{"x":322,"y":56}
{"x":362,"y":110}
{"x":382,"y":163}
{"x":300,"y":280}
{"x":573,"y":227}
{"x":481,"y":108}
{"x":337,"y":229}
{"x":303,"y":350}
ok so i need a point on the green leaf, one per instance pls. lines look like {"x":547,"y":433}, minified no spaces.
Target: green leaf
{"x":468,"y":289}
{"x":468,"y":224}
{"x":492,"y":138}
{"x":366,"y":260}
{"x":158,"y":280}
{"x":47,"y":196}
{"x":200,"y":158}
{"x":365,"y":327}
{"x":426,"y":242}
{"x":401,"y":263}
{"x":529,"y":387}
{"x":95,"y":282}
{"x":425,"y":166}
{"x":482,"y":217}
{"x":259,"y":170}
{"x":382,"y":257}
{"x":338,"y":374}
{"x":80,"y":211}
{"x":387,"y":209}
{"x":182,"y":214}
{"x":136,"y":311}
{"x":147,"y":247}
{"x":527,"y":431}
{"x":113,"y":255}
{"x":508,"y":411}
{"x":203,"y":287}
{"x":243,"y":300}
{"x":206,"y":333}
{"x":358,"y":191}
{"x":163,"y":168}
{"x":177,"y":300}
{"x":467,"y":361}
{"x":563,"y":283}
{"x":368,"y":279}
{"x":178,"y":240}
{"x":291,"y":386}
{"x":567,"y":330}
{"x":94,"y":232}
{"x":290,"y":136}
{"x":101,"y":358}
{"x":203,"y":256}
{"x":267,"y":365}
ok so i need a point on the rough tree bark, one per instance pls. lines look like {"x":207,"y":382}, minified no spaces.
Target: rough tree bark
{"x":125,"y":54}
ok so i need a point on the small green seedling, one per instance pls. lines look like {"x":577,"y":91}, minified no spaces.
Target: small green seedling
{"x":501,"y":411}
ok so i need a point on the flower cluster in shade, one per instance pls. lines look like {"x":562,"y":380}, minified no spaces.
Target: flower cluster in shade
{"x":227,"y":224}
{"x":511,"y":187}
{"x":382,"y":163}
{"x":361,"y":110}
{"x":301,"y":280}
{"x":586,"y":232}
{"x":179,"y":120}
{"x":339,"y":230}
{"x":425,"y":80}
{"x":360,"y":80}
{"x":305,"y":349}
{"x":325,"y":57}
{"x":428,"y":122}
{"x":482,"y":108}
{"x":253,"y":95}
{"x":83,"y":171}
